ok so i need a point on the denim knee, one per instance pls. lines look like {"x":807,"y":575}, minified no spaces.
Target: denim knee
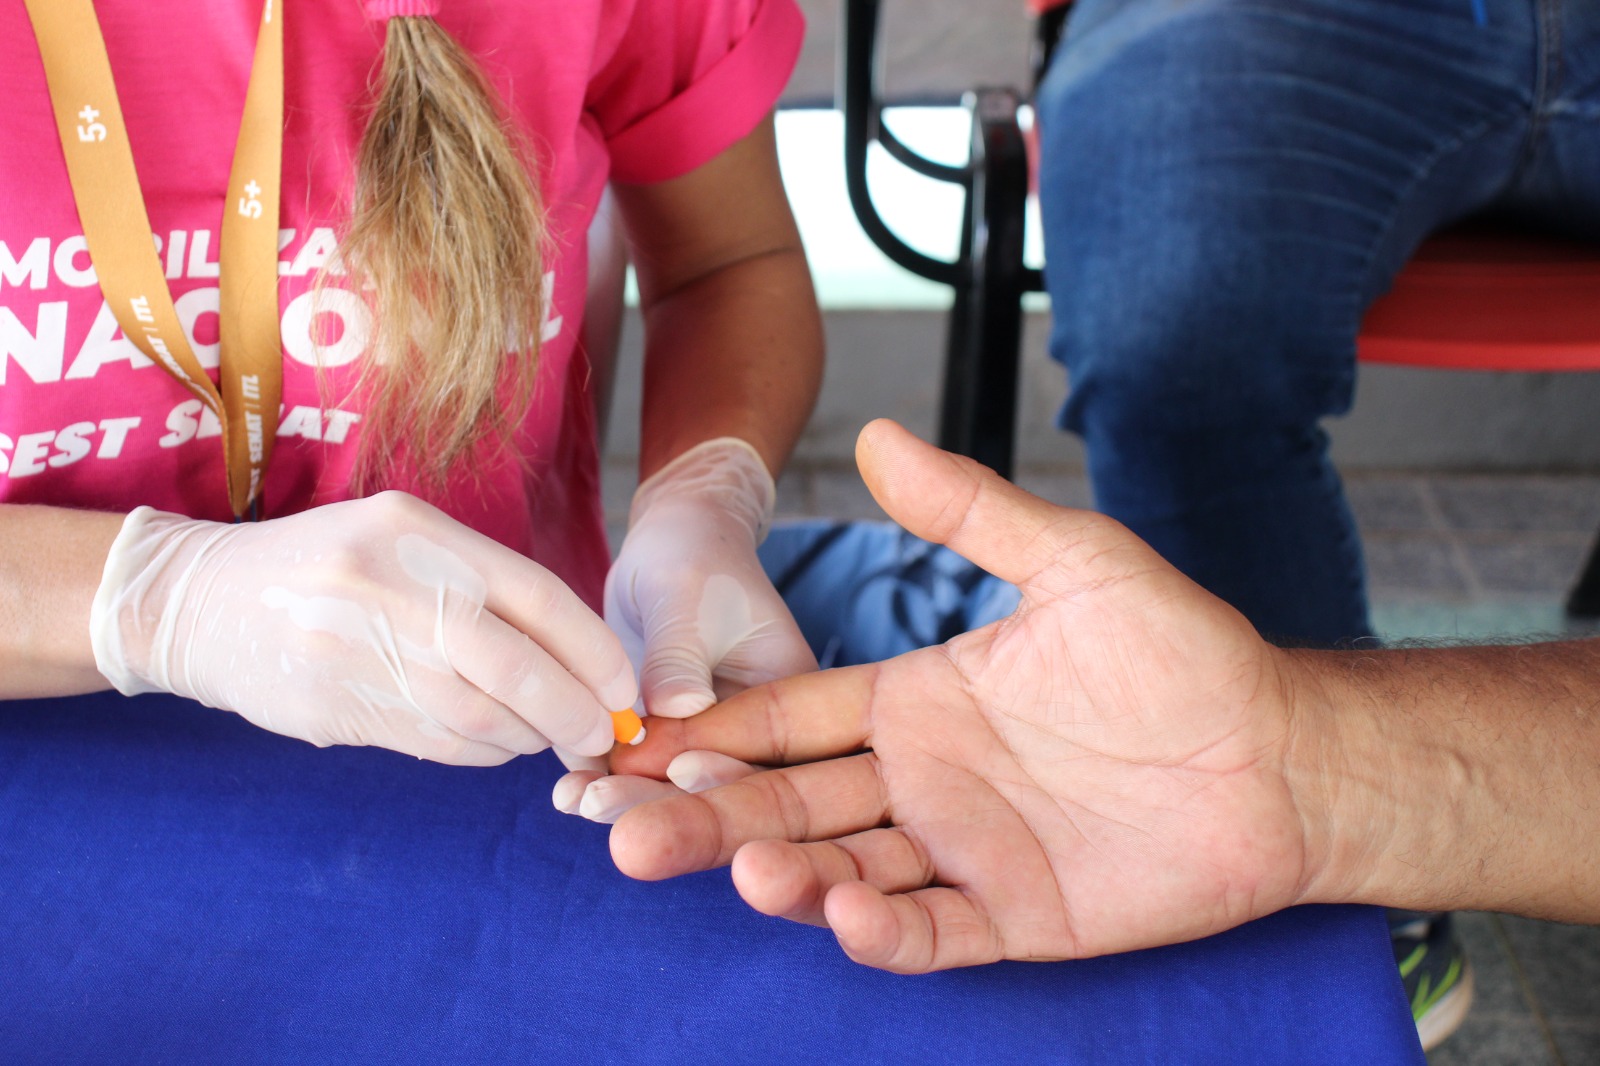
{"x":1225,"y":184}
{"x":1198,"y":281}
{"x":1166,"y":345}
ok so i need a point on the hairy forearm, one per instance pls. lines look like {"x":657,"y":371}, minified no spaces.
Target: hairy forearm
{"x":50,"y":565}
{"x":738,"y":354}
{"x":1453,"y":778}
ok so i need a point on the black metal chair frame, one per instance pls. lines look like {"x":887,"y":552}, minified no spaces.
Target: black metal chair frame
{"x":978,"y":403}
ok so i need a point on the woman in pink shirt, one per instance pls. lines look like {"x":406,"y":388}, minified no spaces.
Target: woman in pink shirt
{"x":441,"y":164}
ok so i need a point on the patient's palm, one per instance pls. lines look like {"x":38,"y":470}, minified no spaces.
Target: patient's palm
{"x":1097,"y":777}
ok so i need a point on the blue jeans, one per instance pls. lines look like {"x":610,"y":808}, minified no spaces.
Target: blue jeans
{"x":1226,"y":185}
{"x":866,"y":591}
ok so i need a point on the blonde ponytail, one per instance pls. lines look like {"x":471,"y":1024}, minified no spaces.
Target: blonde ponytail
{"x":447,"y":233}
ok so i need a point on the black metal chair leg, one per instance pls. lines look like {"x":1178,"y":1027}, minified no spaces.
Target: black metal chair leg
{"x":979,"y":410}
{"x":977,"y":415}
{"x":1584,"y":600}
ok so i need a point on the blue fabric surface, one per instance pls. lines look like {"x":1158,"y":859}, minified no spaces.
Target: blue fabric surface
{"x":177,"y":886}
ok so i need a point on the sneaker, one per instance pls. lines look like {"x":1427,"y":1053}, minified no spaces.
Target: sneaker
{"x":1435,"y":973}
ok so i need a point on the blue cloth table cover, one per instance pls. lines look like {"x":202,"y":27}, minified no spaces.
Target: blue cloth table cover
{"x":181,"y":887}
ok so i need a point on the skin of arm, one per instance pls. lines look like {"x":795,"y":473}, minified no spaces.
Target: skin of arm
{"x":51,"y":559}
{"x":1463,"y":778}
{"x":1124,"y":762}
{"x":733,"y":335}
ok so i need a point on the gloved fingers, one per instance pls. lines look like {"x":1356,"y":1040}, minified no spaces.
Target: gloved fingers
{"x":402,"y":728}
{"x":777,"y":651}
{"x":737,"y":635}
{"x":697,"y":771}
{"x":518,"y":673}
{"x":676,"y":684}
{"x":676,"y":679}
{"x":540,"y":605}
{"x":458,"y":703}
{"x":609,"y":798}
{"x":568,"y":791}
{"x":688,"y":626}
{"x":620,"y":607}
{"x":598,"y":763}
{"x":460,"y":751}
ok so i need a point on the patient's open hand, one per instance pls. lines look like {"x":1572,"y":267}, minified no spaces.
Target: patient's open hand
{"x":1102,"y":771}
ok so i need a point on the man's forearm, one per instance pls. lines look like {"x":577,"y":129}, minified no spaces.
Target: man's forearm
{"x":1452,"y":778}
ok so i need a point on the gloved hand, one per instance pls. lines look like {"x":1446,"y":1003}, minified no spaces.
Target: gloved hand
{"x":692,"y":605}
{"x":380,"y":621}
{"x":687,"y":595}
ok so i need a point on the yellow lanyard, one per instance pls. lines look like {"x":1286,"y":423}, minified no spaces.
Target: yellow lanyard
{"x":122,"y":248}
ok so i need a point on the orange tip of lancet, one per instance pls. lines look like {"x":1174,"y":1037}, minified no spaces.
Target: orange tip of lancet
{"x":627,"y":726}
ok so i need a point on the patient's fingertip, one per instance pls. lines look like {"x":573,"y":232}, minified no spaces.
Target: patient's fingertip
{"x":633,"y":846}
{"x":770,"y":875}
{"x":657,"y":840}
{"x":876,"y":438}
{"x":863,"y":922}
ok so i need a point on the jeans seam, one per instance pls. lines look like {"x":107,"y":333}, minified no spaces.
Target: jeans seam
{"x":1549,"y":74}
{"x":1547,"y":77}
{"x":1568,"y":100}
{"x":1392,"y":211}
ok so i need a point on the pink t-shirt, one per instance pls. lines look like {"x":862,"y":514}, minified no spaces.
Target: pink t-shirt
{"x":637,"y":90}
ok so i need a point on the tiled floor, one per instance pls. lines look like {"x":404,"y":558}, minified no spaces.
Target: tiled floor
{"x":1453,"y":556}
{"x":1538,"y":995}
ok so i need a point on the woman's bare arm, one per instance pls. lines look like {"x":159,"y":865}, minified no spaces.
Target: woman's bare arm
{"x":733,"y":335}
{"x":51,"y":559}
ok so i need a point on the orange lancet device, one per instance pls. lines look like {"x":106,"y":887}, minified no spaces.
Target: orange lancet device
{"x":628,"y":726}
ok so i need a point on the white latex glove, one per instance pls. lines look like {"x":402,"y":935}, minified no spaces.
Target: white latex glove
{"x":687,"y":595}
{"x":380,"y":621}
{"x":592,"y":793}
{"x":692,"y":605}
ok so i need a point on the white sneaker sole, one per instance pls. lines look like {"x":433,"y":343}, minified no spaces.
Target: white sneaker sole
{"x":1447,"y":1014}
